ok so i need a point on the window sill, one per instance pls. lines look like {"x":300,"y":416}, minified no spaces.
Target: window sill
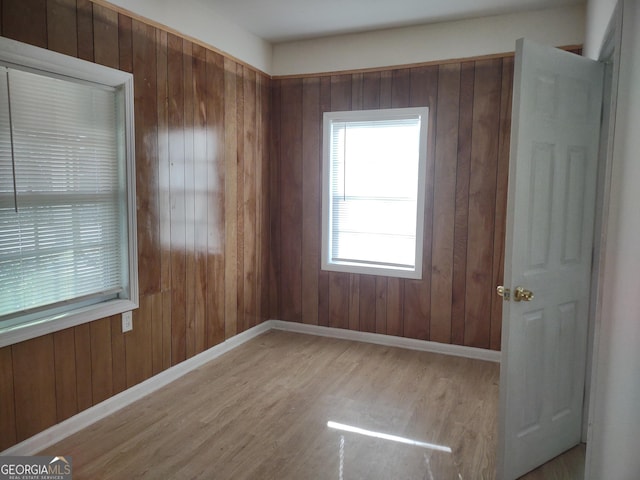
{"x":43,"y":326}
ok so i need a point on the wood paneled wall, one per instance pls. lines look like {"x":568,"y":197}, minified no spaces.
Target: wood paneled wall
{"x":467,"y":171}
{"x":203,"y":185}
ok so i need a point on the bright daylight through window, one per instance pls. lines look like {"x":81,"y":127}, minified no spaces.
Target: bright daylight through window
{"x":67,"y":210}
{"x":373,"y":191}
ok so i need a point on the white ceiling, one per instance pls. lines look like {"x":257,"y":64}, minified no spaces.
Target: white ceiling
{"x":286,"y":20}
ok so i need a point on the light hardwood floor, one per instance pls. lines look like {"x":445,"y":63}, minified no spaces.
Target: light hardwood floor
{"x":262,"y":412}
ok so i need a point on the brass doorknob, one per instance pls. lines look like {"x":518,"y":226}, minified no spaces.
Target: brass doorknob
{"x":522,"y":295}
{"x":503,"y":292}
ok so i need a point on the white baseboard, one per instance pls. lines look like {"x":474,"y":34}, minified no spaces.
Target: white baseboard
{"x":58,"y":432}
{"x":388,"y":340}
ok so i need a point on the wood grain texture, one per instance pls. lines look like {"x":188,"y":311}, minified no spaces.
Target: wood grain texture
{"x":84,"y":388}
{"x":261,"y":207}
{"x":189,"y":200}
{"x":231,"y":196}
{"x":64,"y":357}
{"x":290,"y":184}
{"x":84,"y":18}
{"x":34,"y":386}
{"x":200,"y":204}
{"x":146,"y":131}
{"x":464,"y":204}
{"x":196,"y":203}
{"x":311,"y":198}
{"x":25,"y":21}
{"x":461,"y":227}
{"x":273,"y":424}
{"x":214,"y":96}
{"x":482,"y":200}
{"x":502,"y":183}
{"x":444,"y":201}
{"x":101,"y":360}
{"x":105,"y":36}
{"x":62,"y":35}
{"x":7,"y":405}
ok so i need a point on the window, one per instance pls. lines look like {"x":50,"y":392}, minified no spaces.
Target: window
{"x":67,"y":200}
{"x":373,"y":191}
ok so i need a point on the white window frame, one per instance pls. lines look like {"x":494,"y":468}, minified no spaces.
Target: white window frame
{"x":372,"y":115}
{"x":22,"y":56}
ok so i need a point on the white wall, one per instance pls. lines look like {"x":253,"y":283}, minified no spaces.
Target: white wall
{"x":439,"y":41}
{"x":598,"y":14}
{"x":196,"y":20}
{"x":613,"y":448}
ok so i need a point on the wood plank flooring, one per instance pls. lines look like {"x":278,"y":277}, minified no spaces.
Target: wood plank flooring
{"x":262,"y":412}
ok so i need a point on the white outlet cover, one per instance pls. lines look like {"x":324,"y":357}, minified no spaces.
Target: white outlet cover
{"x":127,"y":322}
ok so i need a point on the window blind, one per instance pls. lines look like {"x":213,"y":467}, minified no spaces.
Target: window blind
{"x":374,"y":191}
{"x":62,"y":193}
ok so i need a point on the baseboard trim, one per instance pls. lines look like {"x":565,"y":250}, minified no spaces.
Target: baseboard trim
{"x":59,"y":431}
{"x":388,"y":340}
{"x":68,"y":427}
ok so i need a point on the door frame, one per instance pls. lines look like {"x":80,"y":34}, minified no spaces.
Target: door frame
{"x":610,"y":56}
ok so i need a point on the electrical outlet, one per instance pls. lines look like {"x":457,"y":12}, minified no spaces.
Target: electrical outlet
{"x":127,"y":322}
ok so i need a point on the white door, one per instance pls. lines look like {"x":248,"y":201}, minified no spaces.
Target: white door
{"x":550,"y":211}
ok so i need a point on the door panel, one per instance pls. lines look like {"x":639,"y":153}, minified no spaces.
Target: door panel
{"x":550,"y":211}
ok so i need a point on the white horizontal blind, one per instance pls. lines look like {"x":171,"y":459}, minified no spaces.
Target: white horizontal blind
{"x":374,"y":191}
{"x":66,"y":240}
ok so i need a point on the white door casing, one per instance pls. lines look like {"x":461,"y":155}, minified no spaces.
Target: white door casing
{"x":550,"y":214}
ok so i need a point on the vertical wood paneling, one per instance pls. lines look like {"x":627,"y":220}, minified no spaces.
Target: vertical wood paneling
{"x":240,"y":165}
{"x":367,"y":305}
{"x":7,"y":403}
{"x":240,"y":223}
{"x":290,"y":184}
{"x":118,"y":355}
{"x":84,"y":388}
{"x":138,"y":344}
{"x":264,"y":196}
{"x":164,"y":170}
{"x":65,"y":367}
{"x":175,"y":82}
{"x":231,"y":197}
{"x":468,"y":120}
{"x":214,"y":95}
{"x":482,"y":199}
{"x":395,"y":307}
{"x":502,"y":181}
{"x":461,"y":228}
{"x":189,"y":200}
{"x":339,"y":283}
{"x":275,"y":223}
{"x":125,"y":50}
{"x":101,"y":360}
{"x":381,"y":305}
{"x":84,"y":20}
{"x":157,"y":334}
{"x":338,"y":300}
{"x":249,"y":210}
{"x":417,"y":293}
{"x":323,"y":276}
{"x":239,"y":267}
{"x":204,"y":196}
{"x":105,"y":35}
{"x":200,"y":190}
{"x":146,"y":131}
{"x":444,"y":201}
{"x":34,"y":386}
{"x":25,"y":21}
{"x":62,"y":35}
{"x":311,"y":197}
